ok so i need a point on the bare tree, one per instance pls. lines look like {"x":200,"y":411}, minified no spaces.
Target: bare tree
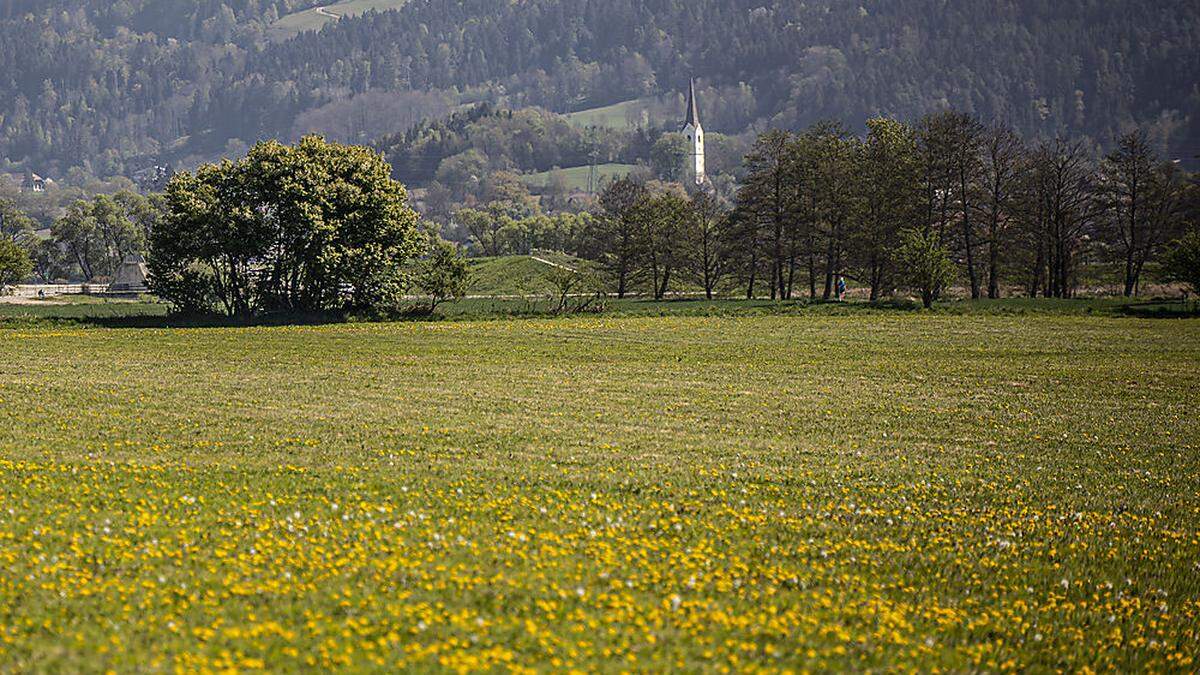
{"x":1002,"y":152}
{"x":1141,"y":198}
{"x":951,"y":143}
{"x":708,"y":241}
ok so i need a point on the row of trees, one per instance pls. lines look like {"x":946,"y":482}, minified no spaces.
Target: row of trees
{"x":88,"y":240}
{"x":312,"y":227}
{"x":919,"y":205}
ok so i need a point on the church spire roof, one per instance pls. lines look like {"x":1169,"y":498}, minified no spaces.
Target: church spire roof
{"x":693,"y":113}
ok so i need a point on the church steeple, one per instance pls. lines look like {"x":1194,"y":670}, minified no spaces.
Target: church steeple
{"x":693,"y":113}
{"x":695,"y":137}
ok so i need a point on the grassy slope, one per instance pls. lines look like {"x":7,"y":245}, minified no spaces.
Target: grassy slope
{"x":615,"y":116}
{"x":577,"y":176}
{"x":512,"y":275}
{"x":830,"y":492}
{"x":310,"y":19}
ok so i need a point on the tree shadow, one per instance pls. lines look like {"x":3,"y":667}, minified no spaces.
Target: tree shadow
{"x":212,"y":320}
{"x":1162,"y":309}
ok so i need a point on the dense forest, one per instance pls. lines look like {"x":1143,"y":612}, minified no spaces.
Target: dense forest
{"x":116,"y":86}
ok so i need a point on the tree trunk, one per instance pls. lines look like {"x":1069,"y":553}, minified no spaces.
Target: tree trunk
{"x":829,"y":263}
{"x":994,"y":253}
{"x":812,"y":270}
{"x":1130,"y":275}
{"x":666,"y":278}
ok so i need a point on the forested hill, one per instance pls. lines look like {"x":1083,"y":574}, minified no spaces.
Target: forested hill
{"x":110,"y":85}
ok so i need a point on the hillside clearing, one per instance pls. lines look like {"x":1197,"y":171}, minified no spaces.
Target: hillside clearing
{"x":631,"y":113}
{"x":313,"y":19}
{"x":576,"y":177}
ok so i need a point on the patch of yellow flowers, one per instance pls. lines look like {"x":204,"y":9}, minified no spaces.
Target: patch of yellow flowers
{"x":128,"y":566}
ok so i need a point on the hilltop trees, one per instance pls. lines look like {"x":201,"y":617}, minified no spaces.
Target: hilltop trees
{"x":103,"y":84}
{"x":310,"y":227}
{"x":15,"y":225}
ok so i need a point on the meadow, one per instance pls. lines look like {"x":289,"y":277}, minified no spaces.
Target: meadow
{"x":827,"y":490}
{"x":631,"y":113}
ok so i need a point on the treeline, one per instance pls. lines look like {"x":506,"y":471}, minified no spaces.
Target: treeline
{"x":116,"y":86}
{"x":921,"y":207}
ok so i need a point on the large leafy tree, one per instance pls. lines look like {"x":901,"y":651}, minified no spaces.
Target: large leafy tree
{"x":310,"y":227}
{"x":15,"y":265}
{"x":15,"y":225}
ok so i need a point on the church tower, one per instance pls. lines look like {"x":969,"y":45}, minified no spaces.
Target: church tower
{"x":694,"y":134}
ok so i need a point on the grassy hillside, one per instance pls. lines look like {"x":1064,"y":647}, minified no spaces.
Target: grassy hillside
{"x":577,"y":176}
{"x":515,"y":275}
{"x":886,"y":492}
{"x":635,"y":112}
{"x":314,"y":19}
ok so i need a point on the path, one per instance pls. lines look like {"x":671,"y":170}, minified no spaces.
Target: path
{"x":552,"y":263}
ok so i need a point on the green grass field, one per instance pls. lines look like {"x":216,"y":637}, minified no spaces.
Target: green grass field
{"x":577,"y":176}
{"x":312,"y":19}
{"x":902,"y":490}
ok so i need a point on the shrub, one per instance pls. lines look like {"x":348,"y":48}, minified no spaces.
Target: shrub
{"x":926,"y":263}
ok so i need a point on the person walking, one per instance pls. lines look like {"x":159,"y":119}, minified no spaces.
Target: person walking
{"x":841,"y":288}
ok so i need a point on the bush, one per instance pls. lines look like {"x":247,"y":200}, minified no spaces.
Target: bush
{"x":443,"y":274}
{"x":926,"y":264}
{"x":1182,"y":262}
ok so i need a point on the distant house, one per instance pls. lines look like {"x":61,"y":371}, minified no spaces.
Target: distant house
{"x":154,"y":178}
{"x":34,"y":183}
